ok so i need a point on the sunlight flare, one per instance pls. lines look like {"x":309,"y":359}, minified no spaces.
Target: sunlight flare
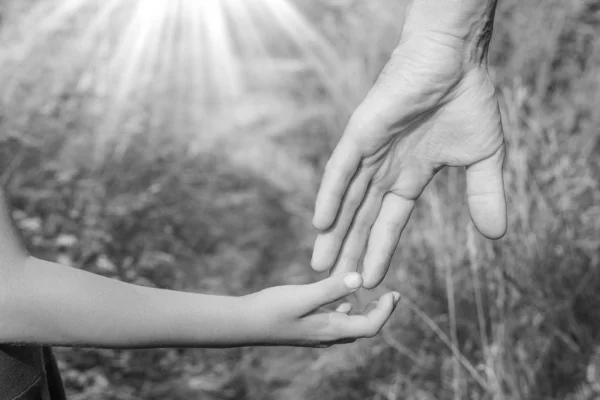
{"x":180,"y":60}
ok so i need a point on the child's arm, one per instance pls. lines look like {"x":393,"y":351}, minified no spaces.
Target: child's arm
{"x":46,"y":303}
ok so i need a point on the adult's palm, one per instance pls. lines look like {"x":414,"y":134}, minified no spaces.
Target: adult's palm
{"x":431,"y":107}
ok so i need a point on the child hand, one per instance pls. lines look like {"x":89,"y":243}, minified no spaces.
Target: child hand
{"x":286,"y":315}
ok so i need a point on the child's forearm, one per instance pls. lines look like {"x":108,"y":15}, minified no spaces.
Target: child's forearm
{"x":49,"y":304}
{"x":56,"y":305}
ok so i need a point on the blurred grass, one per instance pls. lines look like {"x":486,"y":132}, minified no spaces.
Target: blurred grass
{"x":516,"y":318}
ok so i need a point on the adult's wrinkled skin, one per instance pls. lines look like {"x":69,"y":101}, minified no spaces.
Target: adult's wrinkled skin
{"x":434,"y":105}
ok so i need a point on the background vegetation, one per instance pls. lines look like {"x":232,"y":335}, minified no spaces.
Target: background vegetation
{"x":517,"y":318}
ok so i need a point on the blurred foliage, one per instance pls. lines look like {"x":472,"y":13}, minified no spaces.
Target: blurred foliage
{"x":516,"y":318}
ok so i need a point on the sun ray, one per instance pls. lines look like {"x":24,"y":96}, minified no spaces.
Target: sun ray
{"x":186,"y":61}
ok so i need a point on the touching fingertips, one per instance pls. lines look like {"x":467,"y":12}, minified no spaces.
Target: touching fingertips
{"x":371,"y":279}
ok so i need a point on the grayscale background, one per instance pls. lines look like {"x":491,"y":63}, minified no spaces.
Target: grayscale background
{"x":180,"y":144}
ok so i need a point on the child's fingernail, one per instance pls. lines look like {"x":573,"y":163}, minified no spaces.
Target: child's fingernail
{"x":396,"y":296}
{"x":353,"y":280}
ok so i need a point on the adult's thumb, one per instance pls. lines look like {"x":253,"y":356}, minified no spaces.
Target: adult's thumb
{"x":486,"y":197}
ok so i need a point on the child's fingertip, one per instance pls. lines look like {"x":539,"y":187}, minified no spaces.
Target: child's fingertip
{"x":353,"y":280}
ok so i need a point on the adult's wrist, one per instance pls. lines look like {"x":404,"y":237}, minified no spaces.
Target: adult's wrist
{"x":468,"y":22}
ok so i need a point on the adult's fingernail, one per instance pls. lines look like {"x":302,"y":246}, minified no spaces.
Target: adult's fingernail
{"x":396,"y":296}
{"x":353,"y":280}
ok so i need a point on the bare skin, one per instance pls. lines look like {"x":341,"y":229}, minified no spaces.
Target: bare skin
{"x":433,"y":106}
{"x":44,"y":303}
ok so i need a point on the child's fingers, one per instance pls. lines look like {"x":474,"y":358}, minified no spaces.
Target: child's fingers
{"x":370,"y":307}
{"x":368,"y":324}
{"x":344,"y":308}
{"x":315,"y":295}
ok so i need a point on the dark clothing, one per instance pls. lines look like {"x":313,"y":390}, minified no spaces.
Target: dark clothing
{"x":29,"y":373}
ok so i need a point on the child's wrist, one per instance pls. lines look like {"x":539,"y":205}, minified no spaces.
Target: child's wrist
{"x":253,"y":320}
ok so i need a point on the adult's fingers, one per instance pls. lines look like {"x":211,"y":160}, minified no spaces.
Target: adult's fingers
{"x":328,"y":244}
{"x":385,"y":235}
{"x":340,"y":169}
{"x":355,"y":242}
{"x":485,"y":195}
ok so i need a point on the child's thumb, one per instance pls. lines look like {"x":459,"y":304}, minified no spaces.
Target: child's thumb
{"x":328,"y":290}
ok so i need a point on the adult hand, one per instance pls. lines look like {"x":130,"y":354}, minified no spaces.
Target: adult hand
{"x":434,"y":105}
